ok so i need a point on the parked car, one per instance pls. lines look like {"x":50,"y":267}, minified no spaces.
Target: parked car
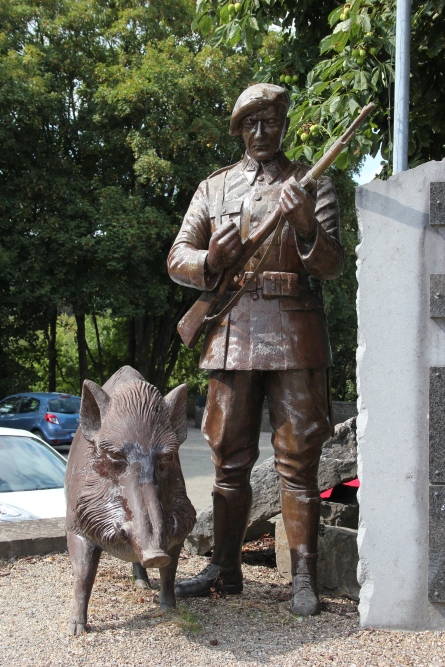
{"x":31,"y":477}
{"x":53,"y":417}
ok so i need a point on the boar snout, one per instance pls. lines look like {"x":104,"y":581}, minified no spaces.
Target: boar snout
{"x":153,"y":556}
{"x":155,"y":559}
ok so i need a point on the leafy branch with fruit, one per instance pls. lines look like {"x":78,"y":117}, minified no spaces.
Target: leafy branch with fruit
{"x":334,"y":59}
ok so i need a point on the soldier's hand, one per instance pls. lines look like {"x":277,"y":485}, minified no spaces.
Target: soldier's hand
{"x":224,"y":247}
{"x":298,"y":207}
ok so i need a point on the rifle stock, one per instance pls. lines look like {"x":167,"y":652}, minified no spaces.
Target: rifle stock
{"x":194,"y":321}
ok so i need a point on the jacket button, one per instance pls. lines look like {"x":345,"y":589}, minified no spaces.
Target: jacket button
{"x":257,"y":197}
{"x":257,"y":255}
{"x":260,"y":178}
{"x":255,"y":296}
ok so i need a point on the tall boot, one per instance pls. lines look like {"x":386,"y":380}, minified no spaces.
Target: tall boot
{"x":301,"y":514}
{"x":231,"y":510}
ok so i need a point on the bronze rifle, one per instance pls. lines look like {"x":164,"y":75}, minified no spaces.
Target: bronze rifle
{"x":204,"y":310}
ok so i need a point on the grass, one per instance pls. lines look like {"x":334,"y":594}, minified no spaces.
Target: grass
{"x":189,"y":621}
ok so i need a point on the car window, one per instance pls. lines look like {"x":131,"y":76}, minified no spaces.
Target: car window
{"x":27,"y":464}
{"x":66,"y":406}
{"x":29,"y":404}
{"x":9,"y":405}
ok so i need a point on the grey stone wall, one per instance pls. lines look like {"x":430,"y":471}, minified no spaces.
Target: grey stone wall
{"x":397,"y":344}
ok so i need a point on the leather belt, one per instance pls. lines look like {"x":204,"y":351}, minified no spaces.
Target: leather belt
{"x":273,"y":283}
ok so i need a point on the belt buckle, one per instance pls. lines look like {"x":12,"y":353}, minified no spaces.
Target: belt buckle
{"x":271,"y":284}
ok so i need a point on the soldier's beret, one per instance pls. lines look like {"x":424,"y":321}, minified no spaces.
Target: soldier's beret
{"x":256,"y":97}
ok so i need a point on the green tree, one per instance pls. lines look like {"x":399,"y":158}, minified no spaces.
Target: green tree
{"x":110,"y":114}
{"x":335,"y":58}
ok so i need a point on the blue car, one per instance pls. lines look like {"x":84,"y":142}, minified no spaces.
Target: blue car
{"x":51,"y":416}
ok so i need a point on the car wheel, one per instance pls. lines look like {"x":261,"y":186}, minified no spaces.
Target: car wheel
{"x":39,"y":434}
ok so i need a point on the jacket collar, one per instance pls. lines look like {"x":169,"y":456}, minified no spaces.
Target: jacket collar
{"x":271,"y":169}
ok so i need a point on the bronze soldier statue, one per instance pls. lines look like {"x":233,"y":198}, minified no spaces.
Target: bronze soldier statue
{"x":273,"y":343}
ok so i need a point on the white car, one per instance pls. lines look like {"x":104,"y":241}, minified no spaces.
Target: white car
{"x":31,"y":477}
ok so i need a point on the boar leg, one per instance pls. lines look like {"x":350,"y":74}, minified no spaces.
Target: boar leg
{"x":84,"y":558}
{"x":141,"y":579}
{"x":168,"y":574}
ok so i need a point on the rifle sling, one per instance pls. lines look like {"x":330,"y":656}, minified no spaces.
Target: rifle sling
{"x":234,"y":300}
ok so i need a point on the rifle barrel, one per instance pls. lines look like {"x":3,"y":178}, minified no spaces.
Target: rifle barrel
{"x":328,"y":158}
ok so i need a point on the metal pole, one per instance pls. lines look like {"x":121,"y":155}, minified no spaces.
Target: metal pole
{"x":401,"y":97}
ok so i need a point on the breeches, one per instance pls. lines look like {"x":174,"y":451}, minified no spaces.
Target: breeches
{"x":299,"y":416}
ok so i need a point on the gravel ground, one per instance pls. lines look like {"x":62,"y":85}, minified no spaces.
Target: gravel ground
{"x":128,"y":628}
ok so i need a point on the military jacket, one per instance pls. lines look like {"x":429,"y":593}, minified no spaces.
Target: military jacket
{"x":280,"y":323}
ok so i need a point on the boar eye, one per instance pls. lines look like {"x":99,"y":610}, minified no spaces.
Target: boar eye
{"x":165,"y":459}
{"x":117,"y":457}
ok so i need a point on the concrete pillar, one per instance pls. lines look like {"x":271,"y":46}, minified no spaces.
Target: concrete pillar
{"x":398,"y":342}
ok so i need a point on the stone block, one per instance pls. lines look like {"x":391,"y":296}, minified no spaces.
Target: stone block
{"x":32,"y":538}
{"x":436,"y":569}
{"x":339,"y":514}
{"x":337,"y":560}
{"x":437,"y":295}
{"x":436,"y":424}
{"x":398,"y":343}
{"x":437,"y":203}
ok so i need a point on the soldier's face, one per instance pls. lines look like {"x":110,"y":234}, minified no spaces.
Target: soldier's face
{"x":263,"y":132}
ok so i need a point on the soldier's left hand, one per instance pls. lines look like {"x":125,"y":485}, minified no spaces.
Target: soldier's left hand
{"x":298,"y":207}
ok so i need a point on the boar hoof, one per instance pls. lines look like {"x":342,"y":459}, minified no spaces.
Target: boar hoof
{"x":168,"y":604}
{"x":76,"y":629}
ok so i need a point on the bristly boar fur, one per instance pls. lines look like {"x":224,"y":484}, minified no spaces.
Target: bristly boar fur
{"x":124,"y":485}
{"x":99,"y":509}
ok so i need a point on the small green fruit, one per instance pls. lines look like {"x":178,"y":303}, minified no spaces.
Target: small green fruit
{"x":362,"y":53}
{"x":238,"y":6}
{"x":360,"y":61}
{"x":373,"y":51}
{"x":313,"y":129}
{"x":288,"y":79}
{"x":343,"y":17}
{"x":347,"y":11}
{"x":231,"y":10}
{"x":282,"y":77}
{"x":368,"y":34}
{"x":295,"y":78}
{"x":355,"y":53}
{"x":304,"y":137}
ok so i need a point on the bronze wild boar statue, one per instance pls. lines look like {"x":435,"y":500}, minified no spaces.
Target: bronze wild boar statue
{"x":124,"y":486}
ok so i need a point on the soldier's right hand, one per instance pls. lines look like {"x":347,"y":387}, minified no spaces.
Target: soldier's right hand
{"x":224,"y":247}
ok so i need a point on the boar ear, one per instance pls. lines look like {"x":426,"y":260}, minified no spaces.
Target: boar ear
{"x":93,"y":408}
{"x":177,"y":406}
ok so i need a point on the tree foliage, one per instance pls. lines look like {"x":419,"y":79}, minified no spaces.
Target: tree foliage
{"x":335,"y":58}
{"x":110,"y":115}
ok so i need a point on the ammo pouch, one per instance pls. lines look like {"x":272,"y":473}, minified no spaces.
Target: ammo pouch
{"x":279,"y":284}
